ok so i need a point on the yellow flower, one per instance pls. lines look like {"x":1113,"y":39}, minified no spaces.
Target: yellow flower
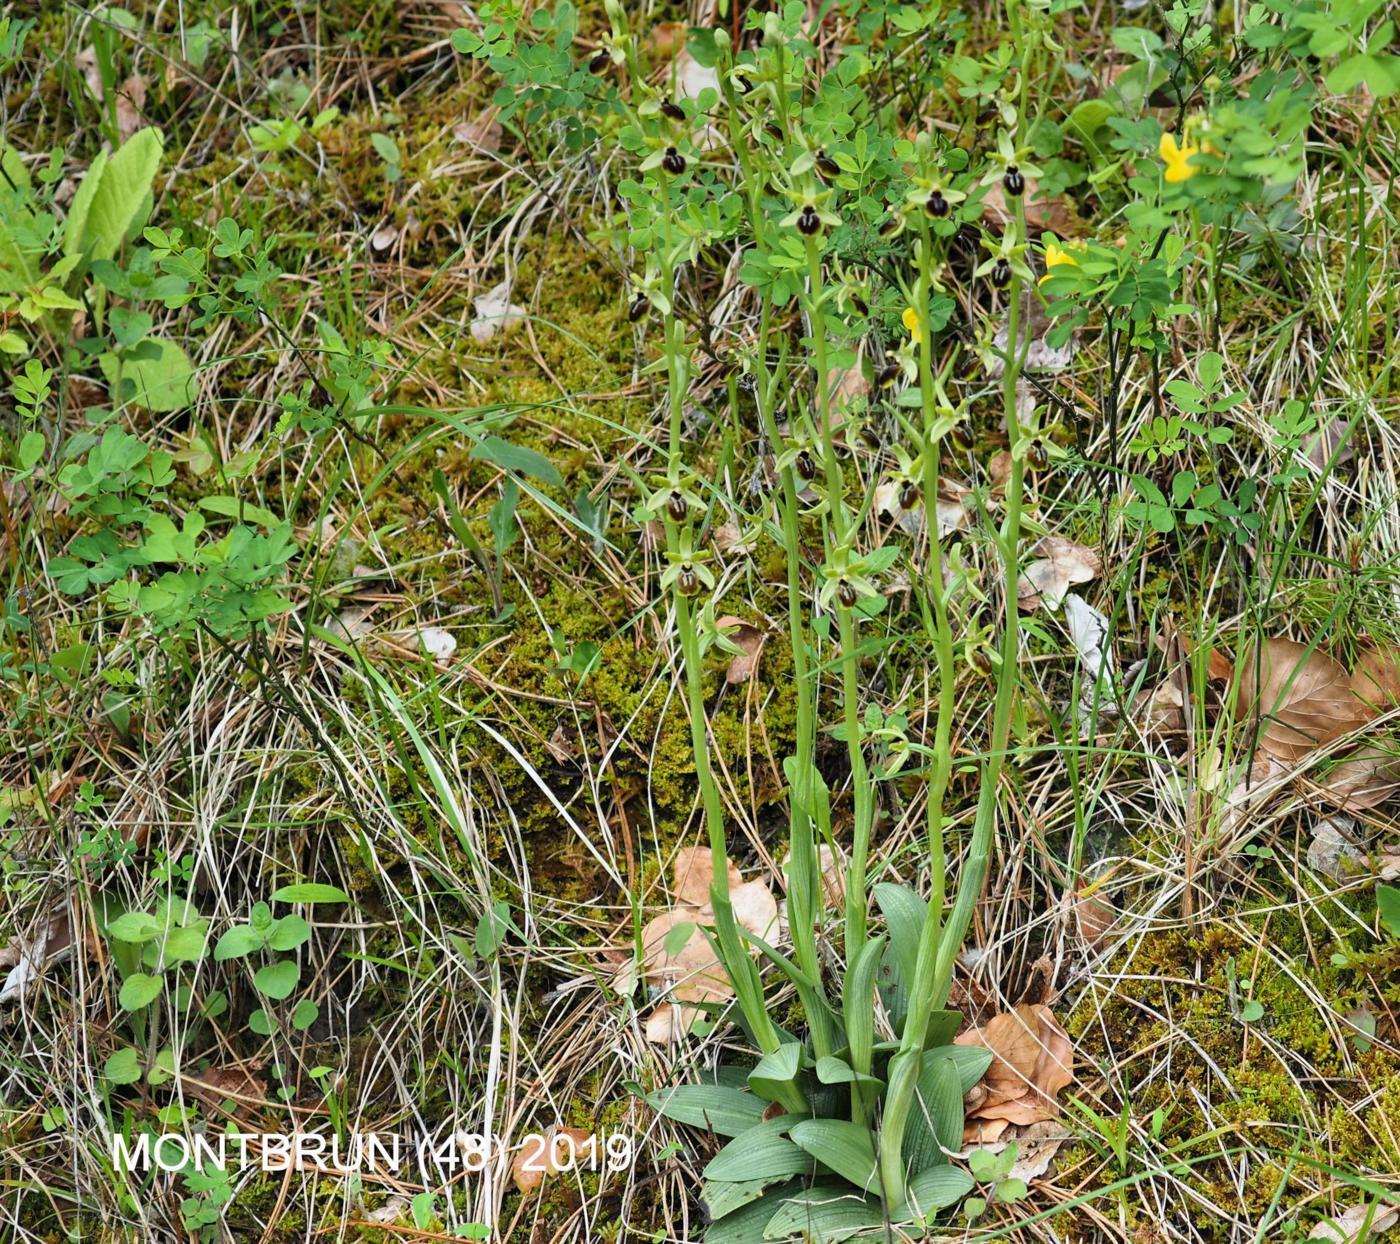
{"x":1055,"y":254}
{"x":910,"y":320}
{"x":1178,"y":157}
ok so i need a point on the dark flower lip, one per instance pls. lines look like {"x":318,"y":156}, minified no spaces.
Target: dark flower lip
{"x":1001,"y":274}
{"x":672,"y":110}
{"x":638,"y":308}
{"x":936,"y":205}
{"x":1013,"y":182}
{"x":846,"y":594}
{"x":809,"y":223}
{"x":673,"y":162}
{"x":599,"y":61}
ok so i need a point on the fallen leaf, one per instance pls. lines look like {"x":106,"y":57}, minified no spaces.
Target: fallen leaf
{"x":1088,"y":632}
{"x":690,"y":973}
{"x":495,"y":313}
{"x":383,"y":237}
{"x":131,"y":99}
{"x":561,"y":1150}
{"x":560,"y":746}
{"x":1334,"y":851}
{"x":1061,"y":564}
{"x":1033,"y":1060}
{"x":392,"y":1210}
{"x":669,"y":1023}
{"x":482,"y":133}
{"x":237,"y":1083}
{"x":1376,"y":679}
{"x":437,"y":643}
{"x":755,"y":908}
{"x":1253,"y":789}
{"x":1093,"y":916}
{"x":52,"y":942}
{"x":1301,"y":697}
{"x":1365,"y":779}
{"x":692,"y":77}
{"x":666,"y":39}
{"x":1347,"y":1227}
{"x":1036,"y":1146}
{"x":692,"y":873}
{"x":749,"y":640}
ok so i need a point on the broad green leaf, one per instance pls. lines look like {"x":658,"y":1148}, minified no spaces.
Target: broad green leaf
{"x":1388,"y":904}
{"x":155,"y":375}
{"x":118,"y":200}
{"x":775,"y":1071}
{"x":935,"y":1121}
{"x":742,"y":1210}
{"x":289,"y":933}
{"x":905,"y":913}
{"x":134,"y":926}
{"x":823,"y":1215}
{"x":305,"y":1014}
{"x":971,"y":1061}
{"x":243,"y":511}
{"x":932,"y":1190}
{"x":78,"y":211}
{"x":844,"y":1146}
{"x":240,"y":940}
{"x":123,"y":1067}
{"x":139,"y":991}
{"x":763,"y":1152}
{"x":277,"y":980}
{"x":858,"y":1004}
{"x":309,"y":892}
{"x":725,"y":1111}
{"x":186,"y":945}
{"x":833,"y":1070}
{"x":517,"y":458}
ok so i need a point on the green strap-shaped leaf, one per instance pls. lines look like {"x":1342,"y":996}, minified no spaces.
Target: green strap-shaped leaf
{"x":971,"y":1061}
{"x":844,"y":1146}
{"x":905,"y":913}
{"x":823,"y":1215}
{"x":858,"y":1003}
{"x":725,"y":1111}
{"x":774,"y":1072}
{"x":932,"y":1190}
{"x":742,"y":1210}
{"x":935,"y":1120}
{"x":763,"y":1152}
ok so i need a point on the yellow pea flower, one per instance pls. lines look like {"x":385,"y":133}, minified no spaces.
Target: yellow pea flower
{"x":910,"y":320}
{"x":1178,"y":157}
{"x":1055,"y":254}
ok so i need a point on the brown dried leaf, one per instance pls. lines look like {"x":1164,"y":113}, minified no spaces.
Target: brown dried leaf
{"x":1061,"y":564}
{"x":1094,"y":917}
{"x":692,"y":973}
{"x":692,"y":873}
{"x":482,"y":133}
{"x":1364,"y":780}
{"x":562,"y":1149}
{"x":669,"y":1023}
{"x":1033,"y":1060}
{"x":131,"y":99}
{"x":755,"y":908}
{"x":666,"y":39}
{"x":749,"y":639}
{"x":1376,"y":680}
{"x":1036,"y":1146}
{"x":1303,"y":697}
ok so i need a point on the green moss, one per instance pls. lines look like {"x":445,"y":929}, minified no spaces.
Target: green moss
{"x":1271,"y":1080}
